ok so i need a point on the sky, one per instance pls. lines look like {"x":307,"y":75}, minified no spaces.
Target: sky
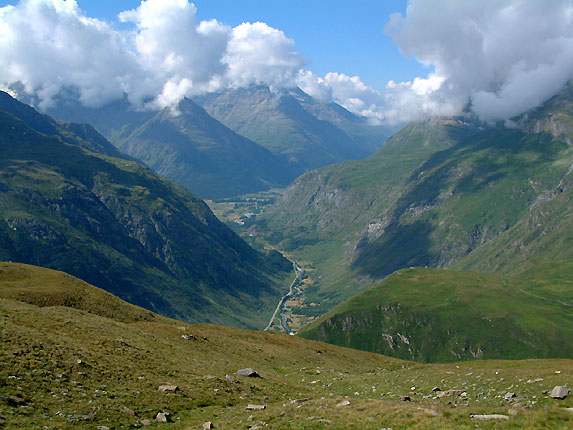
{"x":391,"y":61}
{"x":326,"y":32}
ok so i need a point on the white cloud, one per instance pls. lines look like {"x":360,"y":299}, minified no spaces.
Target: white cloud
{"x":258,"y":54}
{"x":501,"y":56}
{"x":497,"y":57}
{"x":47,"y":45}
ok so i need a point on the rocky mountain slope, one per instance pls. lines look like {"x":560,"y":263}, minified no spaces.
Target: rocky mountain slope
{"x":74,"y":356}
{"x":187,"y":146}
{"x":440,"y":193}
{"x":311,"y":133}
{"x":116,"y":224}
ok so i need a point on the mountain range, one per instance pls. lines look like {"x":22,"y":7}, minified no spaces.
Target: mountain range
{"x":443,"y":193}
{"x":70,"y":201}
{"x":224,"y":155}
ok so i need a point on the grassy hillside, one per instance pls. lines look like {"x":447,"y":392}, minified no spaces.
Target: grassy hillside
{"x":434,"y":315}
{"x":187,"y":146}
{"x":71,"y":366}
{"x":441,"y":193}
{"x":116,"y":224}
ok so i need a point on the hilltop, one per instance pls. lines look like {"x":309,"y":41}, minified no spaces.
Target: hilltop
{"x":432,"y":315}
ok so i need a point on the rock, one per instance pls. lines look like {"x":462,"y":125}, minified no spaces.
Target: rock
{"x":208,"y":425}
{"x":248,"y":372}
{"x":509,"y":396}
{"x":168,"y":388}
{"x":145,"y":422}
{"x":512,"y":412}
{"x":343,"y":403}
{"x":532,"y":381}
{"x":256,"y":407}
{"x":405,"y":398}
{"x":489,"y":417}
{"x":569,"y":409}
{"x":449,"y":393}
{"x":102,"y":428}
{"x":436,"y":389}
{"x":229,"y":378}
{"x":559,"y":392}
{"x":128,"y":411}
{"x":163,"y":417}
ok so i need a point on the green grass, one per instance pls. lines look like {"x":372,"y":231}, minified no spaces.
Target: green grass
{"x":61,"y":363}
{"x":434,"y":315}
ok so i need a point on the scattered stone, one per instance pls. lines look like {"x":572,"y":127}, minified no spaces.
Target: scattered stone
{"x":163,"y":417}
{"x":436,"y":389}
{"x":128,"y":411}
{"x":559,"y":392}
{"x":168,"y":388}
{"x":509,"y":396}
{"x":208,"y":425}
{"x":464,"y":394}
{"x":248,"y":372}
{"x":343,"y":403}
{"x":489,"y":417}
{"x":145,"y":422}
{"x":405,"y":398}
{"x":256,"y":407}
{"x":532,"y":381}
{"x":449,"y":393}
{"x":412,"y":388}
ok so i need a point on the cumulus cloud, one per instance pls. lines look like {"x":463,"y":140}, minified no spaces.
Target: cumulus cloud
{"x":166,"y":54}
{"x":496,"y":58}
{"x":499,"y":57}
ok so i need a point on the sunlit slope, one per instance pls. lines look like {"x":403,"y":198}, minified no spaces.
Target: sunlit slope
{"x":73,"y":364}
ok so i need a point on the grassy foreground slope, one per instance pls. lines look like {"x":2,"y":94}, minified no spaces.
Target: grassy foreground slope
{"x":432,"y":315}
{"x":118,"y":225}
{"x":80,"y":363}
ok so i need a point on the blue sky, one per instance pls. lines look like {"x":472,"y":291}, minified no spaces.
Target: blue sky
{"x":332,"y":35}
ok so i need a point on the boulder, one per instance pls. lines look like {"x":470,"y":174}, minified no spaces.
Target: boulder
{"x":509,"y":396}
{"x":248,"y":372}
{"x":128,"y":411}
{"x":168,"y":388}
{"x":405,"y":398}
{"x":208,"y":425}
{"x":256,"y":407}
{"x":163,"y":417}
{"x":436,"y":389}
{"x":449,"y":393}
{"x":343,"y":403}
{"x":489,"y":417}
{"x":145,"y":422}
{"x":559,"y":392}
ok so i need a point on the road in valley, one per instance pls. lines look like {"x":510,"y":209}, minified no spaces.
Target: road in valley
{"x":294,"y":290}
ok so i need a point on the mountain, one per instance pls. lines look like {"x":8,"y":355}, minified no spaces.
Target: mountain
{"x":311,"y":133}
{"x":440,"y":193}
{"x":187,"y":146}
{"x":434,"y":315}
{"x":74,"y":356}
{"x":114,"y":223}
